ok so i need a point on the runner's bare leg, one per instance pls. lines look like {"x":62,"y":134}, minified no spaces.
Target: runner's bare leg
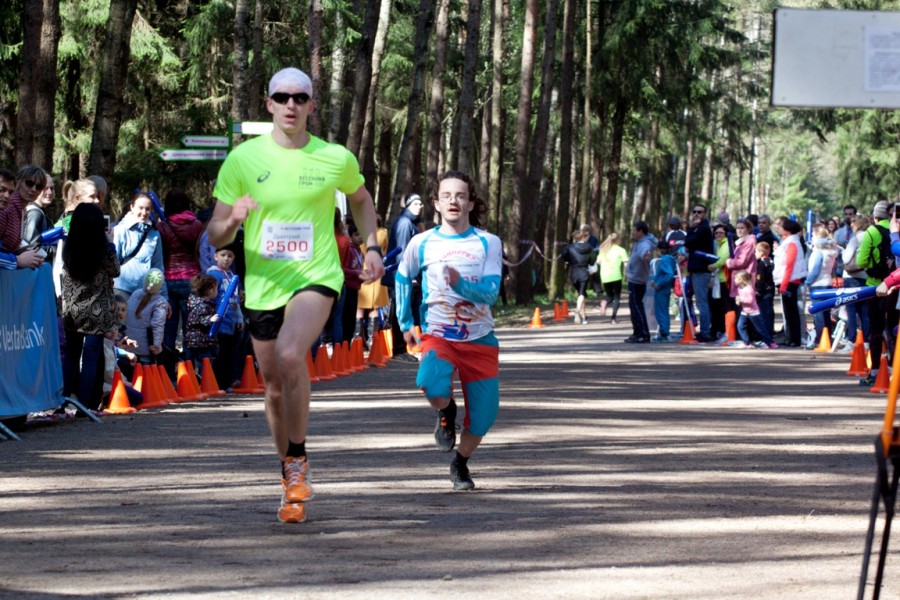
{"x":282,"y":363}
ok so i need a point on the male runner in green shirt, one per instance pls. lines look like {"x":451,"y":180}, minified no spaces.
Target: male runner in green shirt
{"x":281,"y":187}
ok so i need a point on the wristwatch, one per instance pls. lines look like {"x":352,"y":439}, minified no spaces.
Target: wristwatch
{"x":375,"y":249}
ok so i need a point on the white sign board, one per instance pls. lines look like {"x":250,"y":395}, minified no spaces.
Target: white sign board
{"x":176,"y":154}
{"x":836,"y":59}
{"x":205,"y":141}
{"x":252,"y":127}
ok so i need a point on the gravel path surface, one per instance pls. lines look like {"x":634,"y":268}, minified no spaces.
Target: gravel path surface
{"x":614,"y":471}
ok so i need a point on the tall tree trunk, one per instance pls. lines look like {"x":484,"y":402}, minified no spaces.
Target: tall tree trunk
{"x":76,"y":120}
{"x":363,"y":75}
{"x":114,"y":57}
{"x":706,"y":189}
{"x":423,"y":28}
{"x":241,"y":67}
{"x":254,"y":98}
{"x":588,"y":216}
{"x":521,"y":212}
{"x":688,"y":174}
{"x":565,"y":138}
{"x":596,"y":215}
{"x":484,"y":153}
{"x":367,"y":143}
{"x":47,"y":82}
{"x":615,"y":158}
{"x":385,"y":167}
{"x":436,"y":103}
{"x":642,"y":206}
{"x":336,"y":89}
{"x":463,"y":156}
{"x":32,"y":15}
{"x":542,"y":124}
{"x":316,"y":23}
{"x":501,"y":10}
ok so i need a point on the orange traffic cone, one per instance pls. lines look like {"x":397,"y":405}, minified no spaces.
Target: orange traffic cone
{"x":883,"y":379}
{"x":376,"y":352}
{"x":248,"y":384}
{"x":564,"y":311}
{"x":346,"y":365}
{"x":208,"y":383}
{"x":323,"y":365}
{"x":137,"y":378}
{"x":388,"y":339}
{"x":536,"y":319}
{"x":558,"y":314}
{"x":687,"y":336}
{"x":311,"y":368}
{"x":192,"y":374}
{"x":168,"y":389}
{"x":730,"y":327}
{"x":118,"y":399}
{"x":824,"y":342}
{"x":358,"y":361}
{"x":858,"y":360}
{"x":186,"y":392}
{"x":336,"y":361}
{"x":152,"y":390}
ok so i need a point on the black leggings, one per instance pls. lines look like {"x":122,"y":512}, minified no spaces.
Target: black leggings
{"x":613,"y":289}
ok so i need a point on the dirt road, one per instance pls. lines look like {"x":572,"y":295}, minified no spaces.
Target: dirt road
{"x":614,"y":471}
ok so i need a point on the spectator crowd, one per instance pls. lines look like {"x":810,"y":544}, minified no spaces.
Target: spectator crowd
{"x":148,"y":288}
{"x":712,"y":274}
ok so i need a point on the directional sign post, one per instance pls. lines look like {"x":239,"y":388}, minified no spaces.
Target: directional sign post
{"x":205,"y":141}
{"x":192,"y":154}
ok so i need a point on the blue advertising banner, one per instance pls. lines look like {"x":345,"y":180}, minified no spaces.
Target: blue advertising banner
{"x":30,"y":368}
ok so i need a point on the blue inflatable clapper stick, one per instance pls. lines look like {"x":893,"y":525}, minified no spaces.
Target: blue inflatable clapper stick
{"x":51,"y":236}
{"x":710,"y":257}
{"x":392,"y":254}
{"x":223,"y":306}
{"x":157,"y":205}
{"x":809,"y":225}
{"x":825,"y":293}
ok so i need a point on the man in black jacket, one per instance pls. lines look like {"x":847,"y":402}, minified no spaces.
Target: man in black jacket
{"x":699,"y":238}
{"x":404,"y":228}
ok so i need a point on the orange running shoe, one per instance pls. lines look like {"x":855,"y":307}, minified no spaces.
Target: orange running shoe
{"x":296,"y":481}
{"x":291,"y":512}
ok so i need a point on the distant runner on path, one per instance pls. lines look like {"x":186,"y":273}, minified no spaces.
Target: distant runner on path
{"x":462,"y":272}
{"x":281,"y":187}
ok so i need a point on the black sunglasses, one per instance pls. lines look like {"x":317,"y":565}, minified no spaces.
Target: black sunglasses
{"x":300,"y":98}
{"x":698,"y":212}
{"x":38,"y":185}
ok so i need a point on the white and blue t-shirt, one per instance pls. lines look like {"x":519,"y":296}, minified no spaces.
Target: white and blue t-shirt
{"x":460,"y":313}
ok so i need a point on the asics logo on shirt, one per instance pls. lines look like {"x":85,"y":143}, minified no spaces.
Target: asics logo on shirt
{"x":263,"y":177}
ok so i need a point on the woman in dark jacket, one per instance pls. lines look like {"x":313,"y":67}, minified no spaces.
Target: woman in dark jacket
{"x":579,"y":255}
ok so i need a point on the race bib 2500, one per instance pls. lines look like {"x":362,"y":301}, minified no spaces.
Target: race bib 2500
{"x":287,"y":241}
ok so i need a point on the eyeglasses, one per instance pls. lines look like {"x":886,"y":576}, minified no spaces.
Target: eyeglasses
{"x":720,"y":232}
{"x":299,"y":98}
{"x":698,"y":211}
{"x":36,"y":185}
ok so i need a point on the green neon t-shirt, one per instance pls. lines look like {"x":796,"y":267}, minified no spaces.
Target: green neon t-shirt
{"x":289,"y":241}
